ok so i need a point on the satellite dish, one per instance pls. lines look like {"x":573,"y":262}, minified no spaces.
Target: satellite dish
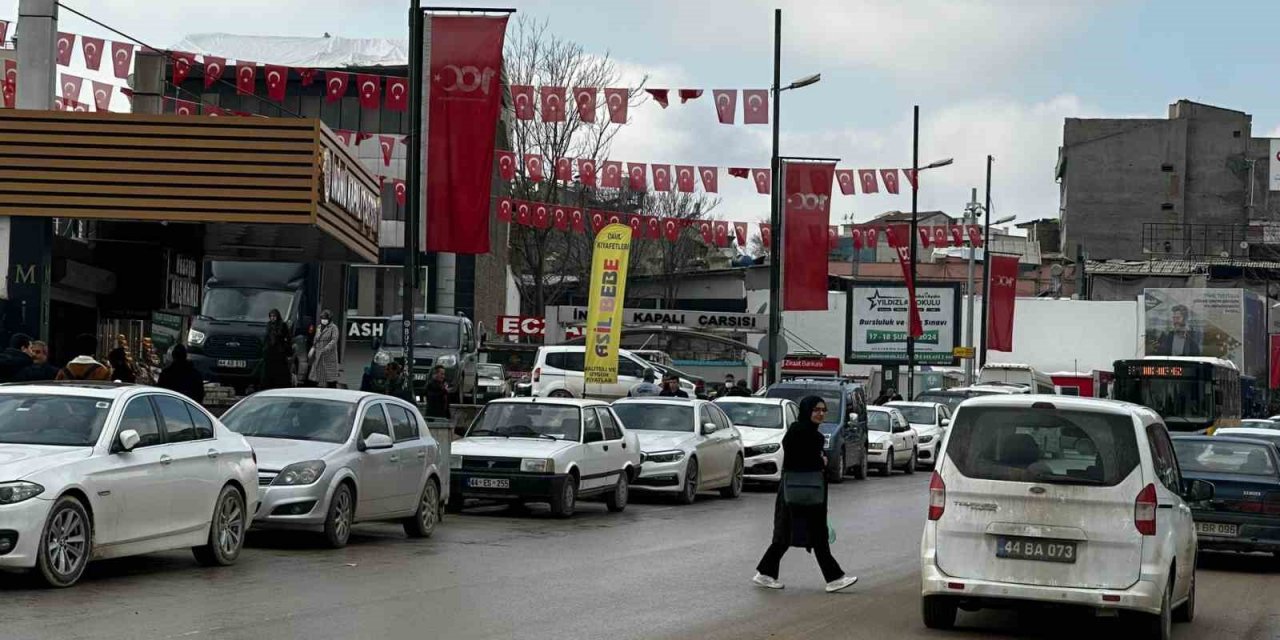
{"x":1055,"y":270}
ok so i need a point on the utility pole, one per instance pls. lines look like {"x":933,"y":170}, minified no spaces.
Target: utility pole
{"x":986,"y":269}
{"x":414,"y":196}
{"x":970,"y":217}
{"x":775,"y":217}
{"x":915,"y":222}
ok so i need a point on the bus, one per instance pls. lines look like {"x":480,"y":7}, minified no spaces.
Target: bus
{"x":1191,"y":394}
{"x":1020,"y":374}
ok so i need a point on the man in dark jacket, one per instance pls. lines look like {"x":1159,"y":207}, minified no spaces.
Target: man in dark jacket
{"x":437,"y":395}
{"x":16,"y":358}
{"x":739,"y":390}
{"x":182,"y":376}
{"x":671,"y":387}
{"x":41,"y":369}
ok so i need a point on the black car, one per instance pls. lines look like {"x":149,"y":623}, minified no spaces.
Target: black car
{"x":1244,"y":514}
{"x":846,"y":429}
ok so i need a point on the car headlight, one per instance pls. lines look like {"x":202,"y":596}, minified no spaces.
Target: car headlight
{"x":926,"y":439}
{"x":382,"y":358}
{"x":762,"y":449}
{"x":195,"y":338}
{"x":537,"y":465}
{"x":455,"y":462}
{"x":664,"y":456}
{"x":875,"y":446}
{"x":447,"y":361}
{"x":15,"y":492}
{"x":299,"y":473}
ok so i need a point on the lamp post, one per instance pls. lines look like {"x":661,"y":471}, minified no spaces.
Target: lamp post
{"x":915,"y":222}
{"x":986,"y":270}
{"x":775,"y":205}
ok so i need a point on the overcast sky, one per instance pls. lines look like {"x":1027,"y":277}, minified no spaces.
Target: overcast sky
{"x":991,"y":76}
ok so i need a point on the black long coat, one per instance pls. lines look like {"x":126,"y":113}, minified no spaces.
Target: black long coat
{"x":799,"y":526}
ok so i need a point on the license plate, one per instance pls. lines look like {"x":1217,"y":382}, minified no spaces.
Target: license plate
{"x":1217,"y":529}
{"x":417,"y":377}
{"x":489,"y":483}
{"x":1036,"y":549}
{"x":233,"y":364}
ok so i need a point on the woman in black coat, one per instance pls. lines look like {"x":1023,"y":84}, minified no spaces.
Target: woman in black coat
{"x":182,"y":376}
{"x":802,"y":526}
{"x":276,"y":353}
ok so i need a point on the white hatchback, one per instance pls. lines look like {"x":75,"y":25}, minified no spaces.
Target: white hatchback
{"x":1062,"y":500}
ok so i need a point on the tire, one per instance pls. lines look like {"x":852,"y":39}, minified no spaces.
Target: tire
{"x":66,"y":544}
{"x":939,"y":612}
{"x":1187,"y":612}
{"x":888,"y":465}
{"x":690,"y":493}
{"x":617,"y":499}
{"x":423,"y":523}
{"x":226,"y":530}
{"x":837,"y":476}
{"x":911,"y":464}
{"x":562,"y":506}
{"x":735,"y":483}
{"x":560,"y":393}
{"x":341,"y":514}
{"x":1158,"y":626}
{"x":860,"y":471}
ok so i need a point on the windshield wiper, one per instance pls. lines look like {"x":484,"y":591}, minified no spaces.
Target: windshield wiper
{"x":478,"y":432}
{"x":536,"y":435}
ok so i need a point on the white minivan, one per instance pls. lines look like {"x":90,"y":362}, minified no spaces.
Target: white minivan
{"x":557,"y":373}
{"x":1062,"y":500}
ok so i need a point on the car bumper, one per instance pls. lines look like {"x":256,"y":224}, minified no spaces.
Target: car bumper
{"x":661,"y":476}
{"x":1254,"y":533}
{"x":26,"y":521}
{"x":877,"y":456}
{"x":522,"y":486}
{"x":927,"y":453}
{"x":292,"y":507}
{"x":766,"y":467}
{"x":1144,"y":595}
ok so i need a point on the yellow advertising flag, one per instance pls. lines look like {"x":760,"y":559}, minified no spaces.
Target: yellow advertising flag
{"x":604,"y":307}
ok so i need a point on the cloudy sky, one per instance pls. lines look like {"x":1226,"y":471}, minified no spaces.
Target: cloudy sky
{"x":991,"y":76}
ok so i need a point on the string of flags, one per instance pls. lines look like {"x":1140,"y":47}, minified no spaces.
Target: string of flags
{"x":552,"y":103}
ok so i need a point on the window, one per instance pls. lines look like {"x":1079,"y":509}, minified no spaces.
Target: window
{"x":611,"y":430}
{"x":204,"y":426}
{"x":1225,"y":457}
{"x":591,"y":431}
{"x":468,"y":341}
{"x":403,"y":424}
{"x":627,"y":367}
{"x":292,"y":418}
{"x":567,"y":360}
{"x":717,"y":415}
{"x":177,"y":422}
{"x":375,"y":421}
{"x":66,"y":421}
{"x":140,"y":417}
{"x":529,"y":420}
{"x":645,"y":416}
{"x":793,"y":414}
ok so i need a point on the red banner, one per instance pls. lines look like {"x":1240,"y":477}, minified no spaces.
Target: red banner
{"x":726,"y":104}
{"x":661,"y":177}
{"x":71,"y":87}
{"x":587,"y":172}
{"x":552,"y":104}
{"x":102,"y":95}
{"x":763,"y":177}
{"x":616,"y":100}
{"x":277,"y":78}
{"x":335,"y":85}
{"x":710,"y":179}
{"x":397,"y":94}
{"x":740,"y":230}
{"x":10,"y":84}
{"x":66,"y":43}
{"x":370,"y":90}
{"x":755,"y":109}
{"x":766,"y":235}
{"x":564,"y":170}
{"x":506,"y":165}
{"x":464,"y":98}
{"x":121,"y":59}
{"x":92,"y":49}
{"x":900,"y":241}
{"x":1275,"y":361}
{"x":684,"y":178}
{"x":585,"y":97}
{"x":636,"y":171}
{"x":533,"y":167}
{"x":246,"y":77}
{"x":1004,"y":291}
{"x":522,"y":100}
{"x":806,"y":213}
{"x":612,"y":175}
{"x":845,"y":178}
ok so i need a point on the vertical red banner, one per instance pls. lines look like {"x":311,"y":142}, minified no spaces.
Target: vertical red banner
{"x":462,"y":76}
{"x":1003,"y":292}
{"x":806,"y":214}
{"x":1275,"y":361}
{"x":899,"y":237}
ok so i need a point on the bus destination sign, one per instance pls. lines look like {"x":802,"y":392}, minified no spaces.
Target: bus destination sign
{"x":1159,"y":371}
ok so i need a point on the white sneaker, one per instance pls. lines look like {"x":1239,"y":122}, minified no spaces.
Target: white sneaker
{"x":842,"y":583}
{"x":762,"y":580}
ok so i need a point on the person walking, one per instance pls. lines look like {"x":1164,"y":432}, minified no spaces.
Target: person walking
{"x":276,"y":352}
{"x":797,"y":525}
{"x":396,"y":383}
{"x":324,"y":364}
{"x":646,"y":387}
{"x":303,"y":337}
{"x":16,"y":358}
{"x":740,"y":390}
{"x":83,"y":366}
{"x":40,"y":369}
{"x":182,"y":376}
{"x":437,"y":395}
{"x":727,"y":389}
{"x":671,"y":387}
{"x":118,"y":358}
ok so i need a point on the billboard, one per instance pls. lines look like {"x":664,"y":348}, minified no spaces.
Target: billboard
{"x":876,"y":323}
{"x":1216,"y":323}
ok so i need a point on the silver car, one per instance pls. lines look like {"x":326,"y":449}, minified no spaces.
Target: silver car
{"x":328,"y":459}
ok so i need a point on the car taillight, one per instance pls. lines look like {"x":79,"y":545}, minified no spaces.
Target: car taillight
{"x":937,"y":496}
{"x":1144,"y":511}
{"x":1243,"y":506}
{"x":537,"y":373}
{"x":1271,"y":504}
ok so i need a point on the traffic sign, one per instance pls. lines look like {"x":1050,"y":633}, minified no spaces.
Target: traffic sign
{"x":963,"y":352}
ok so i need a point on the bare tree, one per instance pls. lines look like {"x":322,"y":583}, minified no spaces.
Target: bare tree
{"x":755,"y":246}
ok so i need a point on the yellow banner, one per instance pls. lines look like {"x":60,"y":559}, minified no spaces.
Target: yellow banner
{"x":604,"y":307}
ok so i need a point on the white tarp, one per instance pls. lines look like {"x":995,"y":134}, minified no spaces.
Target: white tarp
{"x":1274,"y":175}
{"x":299,"y":52}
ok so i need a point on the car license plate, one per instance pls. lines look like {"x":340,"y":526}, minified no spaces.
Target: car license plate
{"x":233,"y":364}
{"x":489,"y":483}
{"x":1217,"y":529}
{"x":419,"y":377}
{"x":1036,"y":549}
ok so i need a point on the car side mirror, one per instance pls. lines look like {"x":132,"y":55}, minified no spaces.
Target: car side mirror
{"x":945,"y":422}
{"x":853,"y":416}
{"x":128,"y":439}
{"x":708,"y":428}
{"x":1199,"y":491}
{"x":377,"y":441}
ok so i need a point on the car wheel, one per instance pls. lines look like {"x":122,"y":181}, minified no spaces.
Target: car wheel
{"x":226,"y":531}
{"x":837,"y":474}
{"x":1158,"y":626}
{"x":888,"y":465}
{"x":562,"y":505}
{"x":65,"y":544}
{"x":337,"y":523}
{"x":560,"y":393}
{"x":939,"y":612}
{"x":735,"y":483}
{"x":1187,"y":612}
{"x":423,"y":523}
{"x":617,"y":499}
{"x":690,"y":492}
{"x":911,"y":464}
{"x":860,"y":471}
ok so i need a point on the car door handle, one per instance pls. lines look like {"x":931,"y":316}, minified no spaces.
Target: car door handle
{"x":606,"y":447}
{"x":394,"y":458}
{"x":422,"y":454}
{"x":165,"y":459}
{"x":213,"y":454}
{"x":624,"y":445}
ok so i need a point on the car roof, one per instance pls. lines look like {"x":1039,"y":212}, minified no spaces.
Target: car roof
{"x":912,"y":403}
{"x":1246,"y":431}
{"x":751,"y":400}
{"x":660,"y":400}
{"x":883,"y":408}
{"x":1232,"y":439}
{"x":816,"y":382}
{"x":1025,"y":400}
{"x":320,"y":393}
{"x":105,"y":390}
{"x":568,"y":402}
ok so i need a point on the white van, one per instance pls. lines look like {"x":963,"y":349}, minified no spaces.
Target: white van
{"x":1021,"y":374}
{"x":557,"y":373}
{"x":1101,"y":521}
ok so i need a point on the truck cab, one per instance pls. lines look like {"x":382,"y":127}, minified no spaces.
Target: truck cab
{"x":439,"y":340}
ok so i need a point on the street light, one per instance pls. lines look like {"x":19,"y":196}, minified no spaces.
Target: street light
{"x":803,"y":82}
{"x":940,"y":163}
{"x":915,"y":228}
{"x":1005,"y":219}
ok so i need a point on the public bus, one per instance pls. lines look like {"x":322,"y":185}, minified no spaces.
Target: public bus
{"x":1191,"y":394}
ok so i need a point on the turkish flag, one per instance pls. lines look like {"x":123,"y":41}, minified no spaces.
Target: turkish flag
{"x":246,"y":77}
{"x":560,"y":216}
{"x":612,"y":178}
{"x":671,"y":229}
{"x":635,"y":172}
{"x":335,"y":85}
{"x":308,"y":76}
{"x":182,"y":62}
{"x":522,"y":101}
{"x":552,"y":104}
{"x":763,"y":177}
{"x":890,"y":178}
{"x":587,"y":172}
{"x":507,"y":165}
{"x":653,"y":227}
{"x":710,"y":179}
{"x":740,"y":230}
{"x":616,"y":100}
{"x":766,"y":235}
{"x":9,"y":84}
{"x":726,"y":105}
{"x":806,"y":236}
{"x":370,"y":87}
{"x":957,"y":235}
{"x":722,"y":233}
{"x":739,"y":172}
{"x":870,"y":237}
{"x":911,"y":176}
{"x":575,"y":216}
{"x":708,"y":233}
{"x":388,"y":146}
{"x":975,"y":235}
{"x":662,"y":177}
{"x":598,"y":222}
{"x":66,"y":42}
{"x":684,"y":178}
{"x":1004,"y":293}
{"x":533,"y":166}
{"x":755,"y":108}
{"x":102,"y":95}
{"x":614,"y":218}
{"x":504,"y":209}
{"x":524,"y":213}
{"x":845,"y":178}
{"x":213,"y":68}
{"x":184,"y":107}
{"x":345,"y":135}
{"x":926,"y":236}
{"x":4,"y":30}
{"x":277,"y":79}
{"x":92,"y":49}
{"x":689,"y":94}
{"x":399,"y":187}
{"x":585,"y":98}
{"x":397,"y":94}
{"x":899,"y":239}
{"x":542,"y":216}
{"x":637,"y":226}
{"x":659,"y":96}
{"x":868,"y":179}
{"x":121,"y":59}
{"x":940,"y":236}
{"x":564,"y":170}
{"x":833,"y":237}
{"x":71,"y":87}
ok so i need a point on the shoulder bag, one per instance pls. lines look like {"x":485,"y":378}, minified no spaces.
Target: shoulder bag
{"x":803,"y":488}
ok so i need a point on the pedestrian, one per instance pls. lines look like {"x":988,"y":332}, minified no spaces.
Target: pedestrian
{"x":671,"y":387}
{"x":302,"y":340}
{"x":894,"y":396}
{"x":84,"y":366}
{"x":324,"y":362}
{"x":182,"y":376}
{"x":646,"y":386}
{"x":797,"y":525}
{"x":727,"y":390}
{"x":40,"y":369}
{"x":396,"y":383}
{"x":438,"y":395}
{"x":882,"y":398}
{"x":16,"y":358}
{"x":120,"y":362}
{"x":276,"y":351}
{"x":740,"y":390}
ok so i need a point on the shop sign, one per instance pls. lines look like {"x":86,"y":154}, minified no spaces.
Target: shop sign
{"x":166,"y":331}
{"x":183,"y":286}
{"x":365,"y":328}
{"x":341,"y":188}
{"x":816,"y":365}
{"x":878,"y":314}
{"x":702,"y":320}
{"x":530,"y":326}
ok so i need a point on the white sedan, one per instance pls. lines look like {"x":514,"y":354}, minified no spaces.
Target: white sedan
{"x":762,"y":422}
{"x":891,"y":442}
{"x":101,"y":470}
{"x":930,"y":420}
{"x":689,"y":446}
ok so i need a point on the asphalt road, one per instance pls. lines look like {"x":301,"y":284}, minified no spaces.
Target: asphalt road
{"x":657,"y":570}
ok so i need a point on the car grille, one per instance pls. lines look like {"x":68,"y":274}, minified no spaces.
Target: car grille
{"x":265,"y":478}
{"x":473,"y":463}
{"x":232,"y":347}
{"x":762,"y":469}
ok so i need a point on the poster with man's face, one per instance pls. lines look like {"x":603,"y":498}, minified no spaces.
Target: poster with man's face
{"x":1195,"y":322}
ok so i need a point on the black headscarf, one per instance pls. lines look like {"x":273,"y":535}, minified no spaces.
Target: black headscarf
{"x":806,"y":410}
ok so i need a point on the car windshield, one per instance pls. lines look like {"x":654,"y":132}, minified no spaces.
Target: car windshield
{"x":1207,"y":456}
{"x":952,"y":400}
{"x":918,"y":415}
{"x":529,"y":420}
{"x":241,"y":304}
{"x":879,"y":421}
{"x":831,"y":397}
{"x":66,"y":421}
{"x":291,"y":418}
{"x":753,"y":414}
{"x":653,"y":416}
{"x":426,"y":333}
{"x":489,"y":371}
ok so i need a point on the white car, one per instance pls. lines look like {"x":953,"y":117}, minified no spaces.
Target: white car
{"x":930,"y":420}
{"x":891,"y":442}
{"x":557,"y":373}
{"x":1063,"y":500}
{"x":1254,"y":433}
{"x":689,"y":446}
{"x":100,"y":470}
{"x":762,"y":422}
{"x":328,"y":459}
{"x":545,"y":450}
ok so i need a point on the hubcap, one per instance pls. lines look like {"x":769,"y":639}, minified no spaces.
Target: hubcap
{"x":66,"y":542}
{"x":570,"y":494}
{"x":691,"y":480}
{"x":230,"y":525}
{"x":428,"y":506}
{"x":341,"y":519}
{"x":623,"y":490}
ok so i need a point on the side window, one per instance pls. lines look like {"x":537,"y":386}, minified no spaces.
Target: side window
{"x":403,"y":424}
{"x":611,"y":430}
{"x":567,"y":360}
{"x":791,"y":414}
{"x":467,"y":338}
{"x":204,"y":426}
{"x":141,"y":417}
{"x":375,"y":421}
{"x":722,"y":419}
{"x":1164,"y":458}
{"x":704,"y":416}
{"x":591,"y":431}
{"x":628,"y":367}
{"x":177,"y":421}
